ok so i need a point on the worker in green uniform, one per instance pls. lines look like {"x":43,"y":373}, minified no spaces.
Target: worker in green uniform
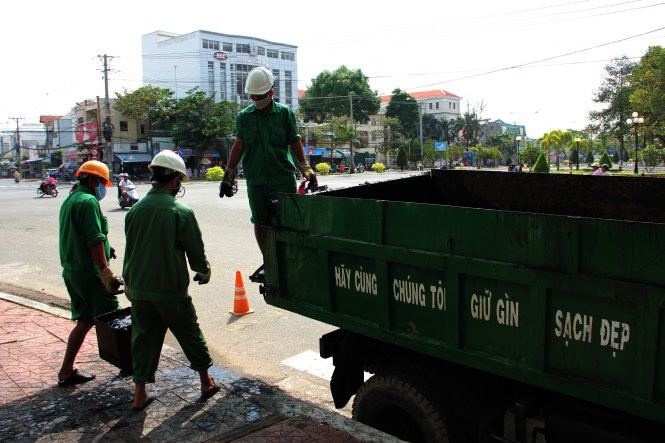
{"x":162,"y":235}
{"x":266,"y":139}
{"x":84,"y":255}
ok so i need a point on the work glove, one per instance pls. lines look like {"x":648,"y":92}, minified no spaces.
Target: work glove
{"x":203,"y":278}
{"x":307,"y":171}
{"x":229,"y":186}
{"x":111,"y":281}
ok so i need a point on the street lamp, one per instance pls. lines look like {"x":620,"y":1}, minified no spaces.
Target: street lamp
{"x":577,"y":142}
{"x":636,"y":120}
{"x":517,"y":153}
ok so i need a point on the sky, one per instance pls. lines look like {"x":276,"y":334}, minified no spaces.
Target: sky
{"x":531,"y":62}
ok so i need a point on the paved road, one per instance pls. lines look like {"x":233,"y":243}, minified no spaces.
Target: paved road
{"x":254,"y":345}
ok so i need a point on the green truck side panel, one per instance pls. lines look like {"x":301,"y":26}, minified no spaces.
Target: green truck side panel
{"x":556,"y":299}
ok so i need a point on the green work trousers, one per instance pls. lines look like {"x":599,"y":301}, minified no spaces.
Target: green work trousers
{"x":150,"y":320}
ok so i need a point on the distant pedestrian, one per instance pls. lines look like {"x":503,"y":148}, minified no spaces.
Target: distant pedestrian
{"x":162,"y":237}
{"x":84,"y":255}
{"x":596,"y":169}
{"x":605,"y":168}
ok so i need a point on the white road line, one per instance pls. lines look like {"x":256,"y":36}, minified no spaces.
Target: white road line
{"x":312,"y":363}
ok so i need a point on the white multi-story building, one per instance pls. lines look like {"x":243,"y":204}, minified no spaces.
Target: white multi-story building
{"x":441,"y":104}
{"x":217,"y":64}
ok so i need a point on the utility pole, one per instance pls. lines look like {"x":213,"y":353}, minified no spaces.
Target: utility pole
{"x":107,"y":126}
{"x":351,"y":166}
{"x":420,"y":118}
{"x":18,"y":144}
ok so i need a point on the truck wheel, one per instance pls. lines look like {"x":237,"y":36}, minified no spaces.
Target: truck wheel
{"x":396,"y":405}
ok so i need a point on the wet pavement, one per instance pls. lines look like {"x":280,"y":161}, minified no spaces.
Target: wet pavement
{"x":33,"y":408}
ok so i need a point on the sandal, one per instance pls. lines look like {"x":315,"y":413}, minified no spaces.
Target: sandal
{"x":76,"y":378}
{"x":210,"y":392}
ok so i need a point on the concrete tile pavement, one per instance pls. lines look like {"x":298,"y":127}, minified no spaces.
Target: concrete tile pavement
{"x":34,"y":408}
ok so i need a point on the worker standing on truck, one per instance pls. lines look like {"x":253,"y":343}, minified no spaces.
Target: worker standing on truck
{"x":162,"y":235}
{"x":84,"y":255}
{"x":264,"y":131}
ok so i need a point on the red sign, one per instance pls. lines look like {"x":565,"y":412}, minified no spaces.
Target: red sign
{"x":220,"y":55}
{"x":86,"y":133}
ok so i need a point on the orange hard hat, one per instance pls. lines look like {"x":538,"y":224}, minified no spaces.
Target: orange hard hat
{"x":97,"y":168}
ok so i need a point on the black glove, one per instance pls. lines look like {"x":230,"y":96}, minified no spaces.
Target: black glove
{"x":203,"y":278}
{"x":229,"y":185}
{"x":228,"y":188}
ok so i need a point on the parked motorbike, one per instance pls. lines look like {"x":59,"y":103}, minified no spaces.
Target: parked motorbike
{"x":132,"y":196}
{"x":47,"y":189}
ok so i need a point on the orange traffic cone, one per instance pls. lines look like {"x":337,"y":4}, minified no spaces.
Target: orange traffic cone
{"x":240,"y":302}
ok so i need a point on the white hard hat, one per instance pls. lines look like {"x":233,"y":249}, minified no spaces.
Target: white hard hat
{"x":169,"y":160}
{"x":259,"y":81}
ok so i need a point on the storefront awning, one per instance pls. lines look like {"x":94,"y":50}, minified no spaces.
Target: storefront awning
{"x":134,"y":158}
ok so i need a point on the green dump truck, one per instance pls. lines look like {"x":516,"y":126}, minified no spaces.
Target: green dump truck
{"x":488,"y":306}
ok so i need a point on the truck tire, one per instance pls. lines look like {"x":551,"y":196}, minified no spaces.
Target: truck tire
{"x":395,"y":404}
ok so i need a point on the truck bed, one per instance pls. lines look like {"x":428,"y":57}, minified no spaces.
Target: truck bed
{"x":556,"y":281}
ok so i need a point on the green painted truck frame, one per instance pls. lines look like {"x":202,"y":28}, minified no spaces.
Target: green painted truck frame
{"x":554,"y":281}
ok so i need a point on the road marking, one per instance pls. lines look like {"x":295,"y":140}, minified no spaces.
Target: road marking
{"x":312,"y":363}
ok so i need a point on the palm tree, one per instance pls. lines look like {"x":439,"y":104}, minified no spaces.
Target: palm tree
{"x":565,"y":140}
{"x":547,"y":141}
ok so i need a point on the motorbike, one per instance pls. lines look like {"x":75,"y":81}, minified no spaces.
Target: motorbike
{"x":47,"y":189}
{"x":132,"y":196}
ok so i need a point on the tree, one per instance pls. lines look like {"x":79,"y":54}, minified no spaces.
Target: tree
{"x":548,"y":141}
{"x":328,"y":96}
{"x":434,"y":129}
{"x":652,"y":156}
{"x":203,"y":124}
{"x":605,"y":160}
{"x":565,"y":142}
{"x":505,"y":143}
{"x":486,"y":154}
{"x":455,"y":152}
{"x":404,"y":108}
{"x":146,"y":103}
{"x":541,"y":165}
{"x":469,"y":126}
{"x":648,"y":96}
{"x":401,"y":158}
{"x":392,"y":133}
{"x":615,"y":93}
{"x":530,"y":153}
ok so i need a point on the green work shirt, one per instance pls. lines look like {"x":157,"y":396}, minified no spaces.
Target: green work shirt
{"x":82,"y":226}
{"x":161,"y":235}
{"x":267,"y":158}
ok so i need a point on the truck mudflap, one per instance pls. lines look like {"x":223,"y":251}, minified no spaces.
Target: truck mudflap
{"x":348,"y":375}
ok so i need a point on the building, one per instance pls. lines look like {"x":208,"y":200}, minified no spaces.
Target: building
{"x":217,"y":64}
{"x":500,"y":127}
{"x":441,"y":104}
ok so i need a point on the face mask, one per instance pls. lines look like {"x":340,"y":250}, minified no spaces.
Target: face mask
{"x":100,"y":191}
{"x":260,"y":104}
{"x":176,"y":189}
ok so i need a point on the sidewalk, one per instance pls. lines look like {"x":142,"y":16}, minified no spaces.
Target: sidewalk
{"x":34,"y":408}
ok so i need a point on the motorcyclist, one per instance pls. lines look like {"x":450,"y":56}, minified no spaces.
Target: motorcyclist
{"x":17,"y":177}
{"x":123,"y":186}
{"x":48,"y":183}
